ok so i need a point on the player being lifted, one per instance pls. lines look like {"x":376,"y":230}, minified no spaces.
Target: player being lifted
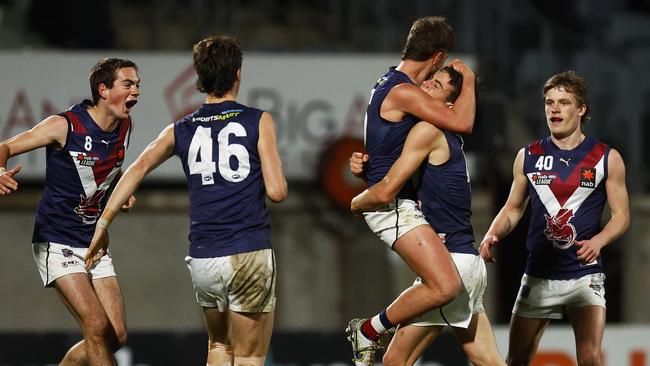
{"x":396,"y":104}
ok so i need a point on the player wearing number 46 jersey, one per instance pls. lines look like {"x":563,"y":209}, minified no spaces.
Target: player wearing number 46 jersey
{"x":568,"y":176}
{"x":85,"y":150}
{"x":231,"y":162}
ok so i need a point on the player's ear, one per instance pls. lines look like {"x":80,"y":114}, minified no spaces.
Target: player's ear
{"x":103,"y":91}
{"x":439,"y":58}
{"x":238,"y":74}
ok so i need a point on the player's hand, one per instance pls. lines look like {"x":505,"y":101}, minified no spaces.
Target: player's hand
{"x":7,"y":182}
{"x":589,"y":251}
{"x":462,"y":68}
{"x":98,"y":247}
{"x":485,"y":249}
{"x":357,"y":161}
{"x":128,"y":205}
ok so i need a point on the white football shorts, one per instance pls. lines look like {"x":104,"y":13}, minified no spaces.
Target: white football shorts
{"x":458,"y":313}
{"x":394,"y":220}
{"x":243,"y":282}
{"x":542,"y":298}
{"x":56,"y":260}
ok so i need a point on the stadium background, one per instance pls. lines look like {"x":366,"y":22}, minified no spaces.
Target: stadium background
{"x":311,"y":65}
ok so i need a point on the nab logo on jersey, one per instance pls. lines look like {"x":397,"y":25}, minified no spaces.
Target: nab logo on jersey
{"x":86,"y":160}
{"x":543,"y":179}
{"x":588,"y":177}
{"x":120,"y":156}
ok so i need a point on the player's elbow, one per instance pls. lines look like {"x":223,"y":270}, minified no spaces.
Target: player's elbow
{"x":385,"y":197}
{"x":277,"y":193}
{"x":466,"y":128}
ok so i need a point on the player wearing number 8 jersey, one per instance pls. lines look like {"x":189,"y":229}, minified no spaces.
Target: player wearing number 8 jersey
{"x":85,"y":150}
{"x":231,"y":162}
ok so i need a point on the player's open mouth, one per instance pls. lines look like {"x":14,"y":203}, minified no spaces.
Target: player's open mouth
{"x":130,"y":103}
{"x":556,"y":119}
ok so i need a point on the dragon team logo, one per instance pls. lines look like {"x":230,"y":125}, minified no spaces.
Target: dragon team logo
{"x":89,"y":207}
{"x":559,"y":230}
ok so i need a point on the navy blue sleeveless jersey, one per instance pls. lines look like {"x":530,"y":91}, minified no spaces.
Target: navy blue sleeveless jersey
{"x":217,"y":146}
{"x":445,"y":198}
{"x":77,"y":179}
{"x":384,"y":140}
{"x":567,"y":197}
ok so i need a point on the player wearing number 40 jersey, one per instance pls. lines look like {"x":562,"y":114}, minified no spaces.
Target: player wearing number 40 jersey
{"x":85,"y":150}
{"x":568,"y":176}
{"x":231,"y":162}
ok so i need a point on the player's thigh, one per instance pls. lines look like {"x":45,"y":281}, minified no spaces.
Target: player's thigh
{"x":478,"y":341}
{"x":409,"y":343}
{"x":525,"y":334}
{"x":110,"y":295}
{"x":77,"y":293}
{"x":217,"y":325}
{"x":588,"y":324}
{"x":250,"y":333}
{"x":424,"y":252}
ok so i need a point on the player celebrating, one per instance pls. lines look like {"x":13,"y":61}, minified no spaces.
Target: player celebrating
{"x":396,"y":104}
{"x":445,"y":196}
{"x":568,"y":177}
{"x":85,"y":150}
{"x":231,"y":162}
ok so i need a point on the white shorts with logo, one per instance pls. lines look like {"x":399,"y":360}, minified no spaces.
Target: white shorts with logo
{"x":242,"y":282}
{"x":394,"y":220}
{"x":56,"y":260}
{"x":458,"y":313}
{"x":542,"y":298}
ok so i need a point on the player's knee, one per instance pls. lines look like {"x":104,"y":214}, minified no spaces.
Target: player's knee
{"x":249,"y":361}
{"x":119,"y":340}
{"x":450,"y":289}
{"x":219,"y":354}
{"x":485,"y":359}
{"x":590,"y":356}
{"x":393,"y":359}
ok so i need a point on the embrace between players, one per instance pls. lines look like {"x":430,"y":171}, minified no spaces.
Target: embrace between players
{"x":418,"y":203}
{"x":417,"y":114}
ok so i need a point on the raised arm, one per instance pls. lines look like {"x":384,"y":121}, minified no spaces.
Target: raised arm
{"x":618,"y":202}
{"x":274,"y":181}
{"x":412,"y":100}
{"x":422,"y":139}
{"x":510,"y":213}
{"x":161,"y":149}
{"x":51,"y":131}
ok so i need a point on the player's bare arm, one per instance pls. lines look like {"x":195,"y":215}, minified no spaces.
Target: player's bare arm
{"x":617,"y":199}
{"x":510,"y":213}
{"x":51,"y":131}
{"x":161,"y":149}
{"x":128,"y":205}
{"x":275,"y":182}
{"x":410,"y":99}
{"x":422,"y":139}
